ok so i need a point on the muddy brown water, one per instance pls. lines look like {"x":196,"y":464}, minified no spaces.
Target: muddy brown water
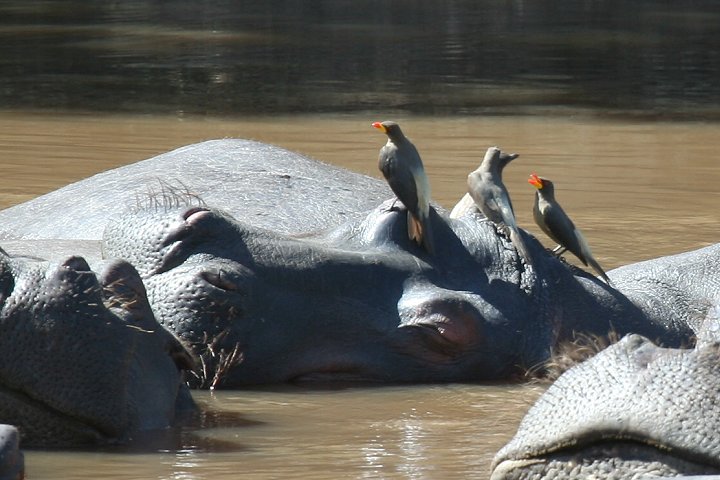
{"x":638,"y":190}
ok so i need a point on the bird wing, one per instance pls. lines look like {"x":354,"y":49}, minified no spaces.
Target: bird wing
{"x":505,"y":208}
{"x":492,"y":200}
{"x":400,"y":177}
{"x":563,"y":230}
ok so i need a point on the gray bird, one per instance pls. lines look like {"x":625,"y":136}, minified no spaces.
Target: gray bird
{"x":403,"y":169}
{"x":552,"y":219}
{"x":487,"y":190}
{"x":467,"y":203}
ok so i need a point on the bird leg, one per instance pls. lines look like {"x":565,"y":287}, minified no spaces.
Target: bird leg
{"x":559,"y":250}
{"x":392,"y":207}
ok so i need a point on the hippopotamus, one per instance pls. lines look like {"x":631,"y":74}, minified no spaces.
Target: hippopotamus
{"x":635,"y":408}
{"x":273,"y":267}
{"x":83,"y":360}
{"x":12,"y":460}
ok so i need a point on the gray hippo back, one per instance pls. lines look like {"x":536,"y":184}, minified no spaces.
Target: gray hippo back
{"x":262,"y":184}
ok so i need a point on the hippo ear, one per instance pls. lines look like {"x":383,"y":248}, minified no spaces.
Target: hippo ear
{"x":447,"y":324}
{"x":123,"y":288}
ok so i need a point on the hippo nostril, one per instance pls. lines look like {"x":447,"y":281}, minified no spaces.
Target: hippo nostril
{"x":79,"y":264}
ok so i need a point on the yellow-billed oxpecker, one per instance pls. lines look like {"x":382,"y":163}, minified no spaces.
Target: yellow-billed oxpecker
{"x":487,"y":190}
{"x":402,"y":167}
{"x":552,"y":219}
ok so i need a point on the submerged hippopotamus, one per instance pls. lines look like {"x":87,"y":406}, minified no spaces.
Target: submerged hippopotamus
{"x":635,"y":410}
{"x":12,"y":460}
{"x":82,"y":359}
{"x":274,"y":267}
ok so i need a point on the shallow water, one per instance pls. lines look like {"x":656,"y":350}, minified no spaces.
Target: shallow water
{"x":413,"y":432}
{"x":637,"y":190}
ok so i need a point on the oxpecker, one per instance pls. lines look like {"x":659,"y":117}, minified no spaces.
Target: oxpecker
{"x":552,"y":219}
{"x":488,"y":191}
{"x":402,"y":167}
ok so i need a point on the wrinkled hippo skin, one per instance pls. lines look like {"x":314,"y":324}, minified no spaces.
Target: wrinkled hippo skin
{"x":676,"y":292}
{"x":252,"y":250}
{"x":255,"y":182}
{"x":635,"y":410}
{"x":12,"y":464}
{"x":82,"y":359}
{"x":357,"y":300}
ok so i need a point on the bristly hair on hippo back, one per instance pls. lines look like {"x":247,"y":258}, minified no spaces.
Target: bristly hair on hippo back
{"x":167,"y":196}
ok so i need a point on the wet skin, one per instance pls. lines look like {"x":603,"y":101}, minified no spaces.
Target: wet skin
{"x":634,"y":410}
{"x":82,"y":359}
{"x":359,"y":302}
{"x":312,"y":275}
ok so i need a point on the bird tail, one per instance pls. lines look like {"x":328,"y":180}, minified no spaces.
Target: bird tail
{"x":420,"y":232}
{"x":596,"y":266}
{"x":587,"y":257}
{"x":517,"y":240}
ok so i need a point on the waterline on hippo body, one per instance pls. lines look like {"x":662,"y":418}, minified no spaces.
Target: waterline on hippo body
{"x":290,"y":303}
{"x":634,"y":409}
{"x":353,"y":276}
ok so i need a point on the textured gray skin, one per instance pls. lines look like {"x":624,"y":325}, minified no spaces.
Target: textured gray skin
{"x":351,"y":298}
{"x":262,"y":184}
{"x":674,"y":292}
{"x":360,"y":301}
{"x":634,"y":410}
{"x":82,"y":359}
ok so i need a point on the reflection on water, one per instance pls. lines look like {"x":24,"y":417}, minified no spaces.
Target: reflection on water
{"x":637,"y":189}
{"x":409,"y":432}
{"x":280,"y":56}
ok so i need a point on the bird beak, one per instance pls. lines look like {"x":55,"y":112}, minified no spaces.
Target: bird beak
{"x":535,"y":181}
{"x":380,"y":127}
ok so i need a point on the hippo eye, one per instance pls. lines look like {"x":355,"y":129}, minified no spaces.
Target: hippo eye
{"x":220,"y":280}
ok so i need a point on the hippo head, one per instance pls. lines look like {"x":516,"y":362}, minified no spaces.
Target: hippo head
{"x":357,"y":302}
{"x":635,"y":410}
{"x":82,"y":359}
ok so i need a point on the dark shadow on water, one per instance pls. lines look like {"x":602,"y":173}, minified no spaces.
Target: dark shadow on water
{"x":441,"y":57}
{"x":192,"y":436}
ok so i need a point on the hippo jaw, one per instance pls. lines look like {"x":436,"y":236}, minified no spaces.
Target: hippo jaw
{"x":644,"y":424}
{"x":614,"y":458}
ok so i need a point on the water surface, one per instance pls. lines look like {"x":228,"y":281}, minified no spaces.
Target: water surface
{"x":637,"y":189}
{"x":646,"y":57}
